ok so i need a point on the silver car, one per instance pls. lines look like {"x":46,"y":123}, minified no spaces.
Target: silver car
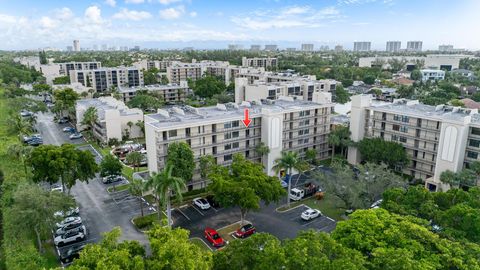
{"x":69,"y":237}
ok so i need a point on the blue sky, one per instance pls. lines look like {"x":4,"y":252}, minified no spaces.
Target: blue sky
{"x":31,"y":24}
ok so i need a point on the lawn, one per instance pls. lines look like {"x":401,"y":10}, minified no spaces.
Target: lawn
{"x":198,"y":242}
{"x":118,"y":188}
{"x":226,"y":232}
{"x":330,"y":206}
{"x":147,"y":221}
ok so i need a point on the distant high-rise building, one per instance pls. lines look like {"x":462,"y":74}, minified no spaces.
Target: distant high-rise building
{"x":255,"y":48}
{"x":69,"y":48}
{"x":362,"y":46}
{"x":291,"y":49}
{"x":393,"y":46}
{"x":324,"y":48}
{"x":76,"y":45}
{"x":271,"y":47}
{"x":104,"y":47}
{"x":338,"y":48}
{"x":135,"y":48}
{"x":445,"y":48}
{"x":414,"y":46}
{"x":234,"y":47}
{"x":307,"y":47}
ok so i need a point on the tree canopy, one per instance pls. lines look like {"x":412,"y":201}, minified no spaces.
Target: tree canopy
{"x":208,"y":86}
{"x":145,"y":102}
{"x":110,"y":165}
{"x":377,"y":150}
{"x":180,"y":156}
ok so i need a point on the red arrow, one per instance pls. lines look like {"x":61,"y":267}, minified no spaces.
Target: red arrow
{"x":246,"y":121}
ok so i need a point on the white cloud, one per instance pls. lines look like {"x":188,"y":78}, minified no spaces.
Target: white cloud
{"x":47,"y":22}
{"x":287,"y":17}
{"x":193,"y":14}
{"x":111,"y":3}
{"x":94,"y":14}
{"x":63,"y":13}
{"x":172,"y":13}
{"x":168,"y":2}
{"x":134,"y":1}
{"x":133,"y":15}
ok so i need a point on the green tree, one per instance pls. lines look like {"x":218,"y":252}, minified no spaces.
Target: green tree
{"x":208,"y":86}
{"x":110,"y":165}
{"x":19,"y":151}
{"x":19,"y":126}
{"x":136,"y":188}
{"x":130,"y":125}
{"x":288,"y":162}
{"x":163,"y":184}
{"x":43,"y":58}
{"x":456,"y":102}
{"x":311,"y":156}
{"x":164,"y":80}
{"x":135,"y":159}
{"x":404,"y":91}
{"x":42,"y":88}
{"x":90,"y":117}
{"x":416,"y":75}
{"x":341,"y":95}
{"x":150,"y":76}
{"x":172,"y":249}
{"x":110,"y":254}
{"x":34,"y":210}
{"x":65,"y":100}
{"x":339,"y":136}
{"x":244,"y":184}
{"x":180,"y":156}
{"x":141,"y":125}
{"x":369,"y":79}
{"x":205,"y":165}
{"x":262,"y":149}
{"x":145,"y":102}
{"x":377,"y":150}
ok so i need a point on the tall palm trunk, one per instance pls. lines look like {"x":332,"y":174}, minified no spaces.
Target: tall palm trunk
{"x":333,"y":151}
{"x":169,"y":210}
{"x":289,"y":186}
{"x":141,"y":204}
{"x":159,"y":209}
{"x":39,"y":240}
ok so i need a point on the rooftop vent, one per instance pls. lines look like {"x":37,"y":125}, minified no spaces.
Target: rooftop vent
{"x":245,"y":104}
{"x":221,"y":107}
{"x":163,"y":113}
{"x":178,"y":110}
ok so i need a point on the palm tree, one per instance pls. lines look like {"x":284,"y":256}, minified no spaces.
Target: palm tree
{"x":141,"y":125}
{"x":136,"y":188}
{"x":130,"y":125}
{"x":20,"y":152}
{"x":135,"y":159}
{"x":18,"y":125}
{"x":288,"y":162}
{"x":163,"y":184}
{"x":262,"y":149}
{"x":333,"y":140}
{"x":90,"y":116}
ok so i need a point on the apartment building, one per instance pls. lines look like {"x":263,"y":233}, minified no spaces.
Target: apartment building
{"x":178,"y":72}
{"x":307,"y":47}
{"x":271,"y":47}
{"x":436,"y":138}
{"x":432,"y":75}
{"x":76,"y":45}
{"x":300,"y":88}
{"x":283,"y":125}
{"x":146,"y":64}
{"x":362,"y":46}
{"x":264,"y":62}
{"x":445,"y":48}
{"x":113,"y":118}
{"x":434,"y":61}
{"x":104,"y":79}
{"x":393,"y":46}
{"x":414,"y":46}
{"x":65,"y":68}
{"x":169,"y":93}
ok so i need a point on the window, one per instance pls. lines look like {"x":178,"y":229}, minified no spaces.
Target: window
{"x":403,"y":139}
{"x":404,"y":129}
{"x":396,"y":127}
{"x":401,"y":118}
{"x":476,"y":131}
{"x":394,"y":138}
{"x":471,"y":154}
{"x":304,"y":113}
{"x":474,"y":143}
{"x":172,"y":133}
{"x":235,"y":124}
{"x":227,"y":157}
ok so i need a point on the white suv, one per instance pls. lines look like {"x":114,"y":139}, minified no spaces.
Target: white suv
{"x":69,"y":237}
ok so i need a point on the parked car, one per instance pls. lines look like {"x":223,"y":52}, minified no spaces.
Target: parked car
{"x":26,"y":139}
{"x":376,"y":204}
{"x":25,"y":113}
{"x":76,"y":226}
{"x":69,"y":129}
{"x":113,"y":178}
{"x":35,"y":142}
{"x":74,"y":211}
{"x":245,"y":231}
{"x":214,"y":238}
{"x":56,"y":187}
{"x":201,"y":203}
{"x":68,"y":220}
{"x":63,"y":120}
{"x":71,"y":254}
{"x":69,"y":237}
{"x":75,"y":136}
{"x":211,"y":200}
{"x":310,"y":214}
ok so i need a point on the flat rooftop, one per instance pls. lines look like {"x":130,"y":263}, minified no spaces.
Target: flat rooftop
{"x":106,"y":103}
{"x":155,"y":87}
{"x":181,"y":115}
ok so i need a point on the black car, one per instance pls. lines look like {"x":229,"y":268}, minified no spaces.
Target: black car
{"x":112,"y":179}
{"x":63,"y":120}
{"x":35,"y":142}
{"x":211,"y":200}
{"x":71,"y":254}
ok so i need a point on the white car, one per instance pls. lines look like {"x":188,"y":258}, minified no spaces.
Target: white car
{"x":376,"y":204}
{"x":74,"y":211}
{"x":69,"y":237}
{"x":201,"y":203}
{"x":56,"y":187}
{"x":76,"y":136}
{"x":68,"y":220}
{"x":311,"y":214}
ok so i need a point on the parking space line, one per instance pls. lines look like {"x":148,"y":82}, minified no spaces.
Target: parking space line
{"x":331,"y":219}
{"x":178,"y":209}
{"x":216,"y":211}
{"x":309,"y":222}
{"x":198,"y":210}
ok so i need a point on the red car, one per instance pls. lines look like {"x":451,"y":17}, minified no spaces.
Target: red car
{"x":245,"y":231}
{"x":213,"y":237}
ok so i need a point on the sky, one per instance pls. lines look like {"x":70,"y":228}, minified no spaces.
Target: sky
{"x":33,"y":24}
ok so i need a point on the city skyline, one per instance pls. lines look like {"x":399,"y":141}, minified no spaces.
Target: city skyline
{"x":215,"y":24}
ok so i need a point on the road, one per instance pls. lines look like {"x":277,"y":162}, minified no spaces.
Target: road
{"x":97,"y":207}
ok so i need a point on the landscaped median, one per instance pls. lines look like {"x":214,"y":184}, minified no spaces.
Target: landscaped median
{"x":329,"y":205}
{"x":117,"y":188}
{"x":147,"y":221}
